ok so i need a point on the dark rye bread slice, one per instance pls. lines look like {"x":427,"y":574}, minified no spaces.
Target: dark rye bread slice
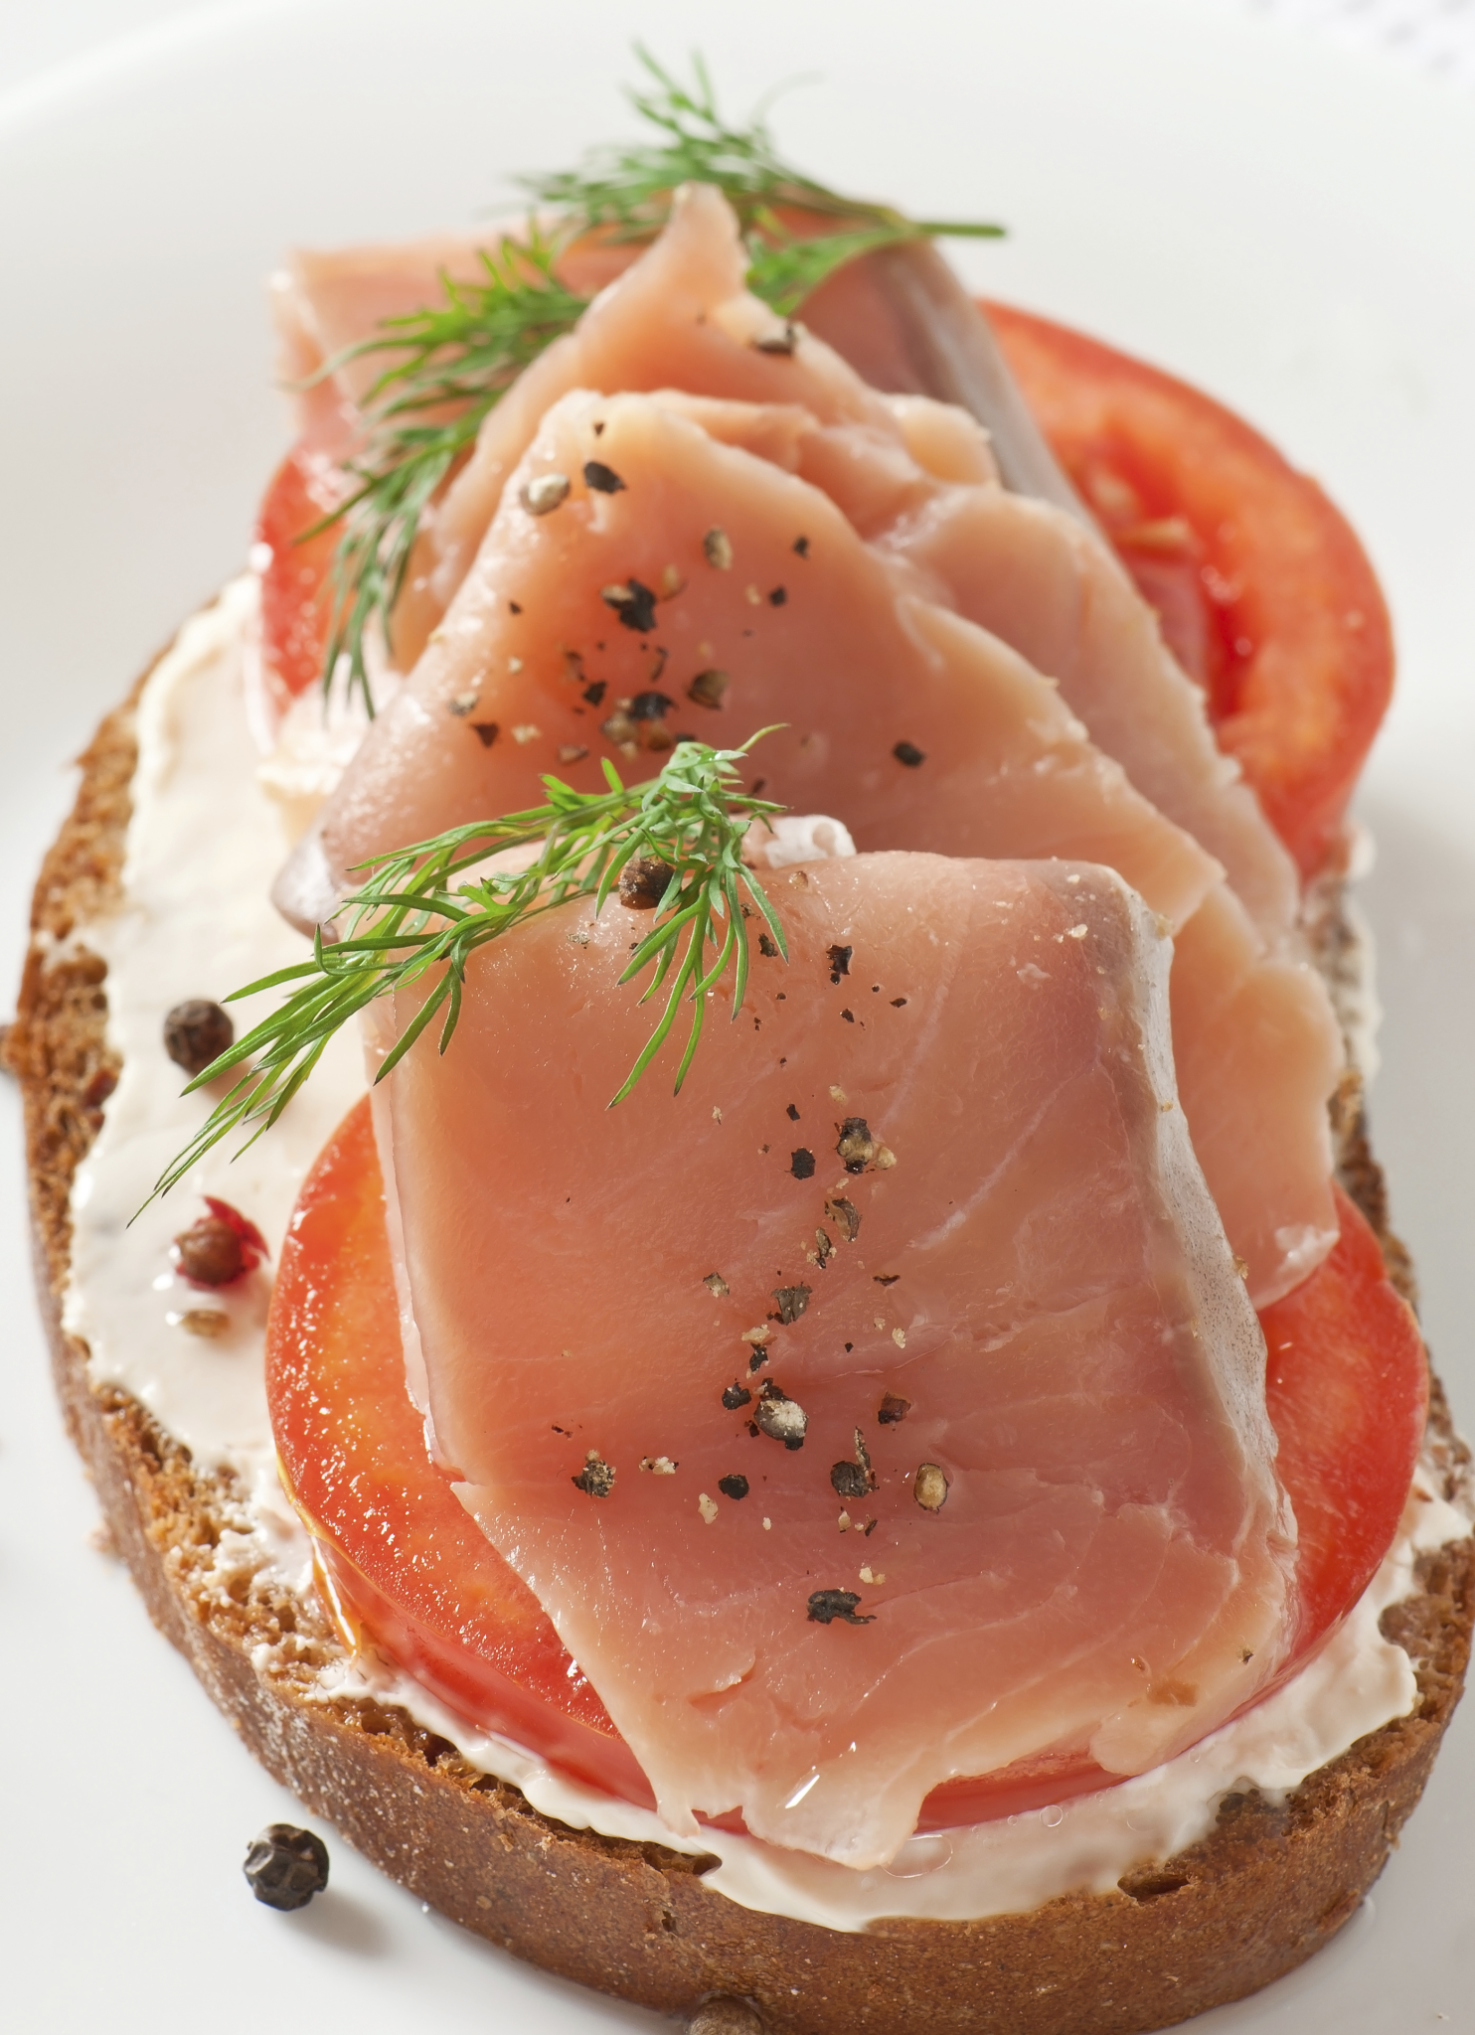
{"x":1262,"y":1892}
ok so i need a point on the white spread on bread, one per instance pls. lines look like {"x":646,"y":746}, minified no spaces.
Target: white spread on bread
{"x":202,"y":848}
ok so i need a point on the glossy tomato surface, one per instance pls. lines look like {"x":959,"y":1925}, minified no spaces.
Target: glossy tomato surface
{"x":1262,"y":589}
{"x":409,"y":1568}
{"x":297,"y":577}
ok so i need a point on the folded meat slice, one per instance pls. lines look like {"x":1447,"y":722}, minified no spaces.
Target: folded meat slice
{"x":916,"y":728}
{"x":688,"y":564}
{"x":326,"y":301}
{"x":885,"y":1409}
{"x":910,"y":472}
{"x":1033,"y":574}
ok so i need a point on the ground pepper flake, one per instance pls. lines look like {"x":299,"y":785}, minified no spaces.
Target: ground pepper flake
{"x":782,"y":342}
{"x":792,"y":1302}
{"x":892,"y":1409}
{"x":855,"y":1146}
{"x":801,"y":1164}
{"x":603,"y":479}
{"x":597,"y":1477}
{"x":708,"y":689}
{"x":546,"y":492}
{"x":486,"y":732}
{"x":909,"y":754}
{"x":736,"y":1395}
{"x":735,"y":1486}
{"x":801,"y":546}
{"x":594,"y":693}
{"x":844,"y":1215}
{"x":840,"y":962}
{"x":792,"y":1113}
{"x":777,"y":596}
{"x":825,"y":1606}
{"x":930,"y":1487}
{"x":766,"y":948}
{"x":634,"y":602}
{"x":781,"y":1418}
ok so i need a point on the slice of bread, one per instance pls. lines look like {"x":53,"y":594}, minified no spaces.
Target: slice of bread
{"x":1264,"y":1890}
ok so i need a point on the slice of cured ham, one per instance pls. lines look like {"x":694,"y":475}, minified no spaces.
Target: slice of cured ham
{"x":909,"y":472}
{"x":915,"y":727}
{"x":1031,"y":573}
{"x":922,"y":1243}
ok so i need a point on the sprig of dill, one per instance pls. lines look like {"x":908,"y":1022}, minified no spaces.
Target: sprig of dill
{"x":449,"y":364}
{"x":626,"y":187}
{"x":411,"y":922}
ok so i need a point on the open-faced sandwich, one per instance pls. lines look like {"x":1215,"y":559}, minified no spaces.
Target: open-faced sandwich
{"x":931,"y":1511}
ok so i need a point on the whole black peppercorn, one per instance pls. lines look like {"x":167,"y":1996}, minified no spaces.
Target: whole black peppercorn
{"x":197,"y":1032}
{"x":286,"y":1866}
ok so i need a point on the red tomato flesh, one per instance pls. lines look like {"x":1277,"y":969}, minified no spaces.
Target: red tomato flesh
{"x":1264,"y":594}
{"x":297,"y":581}
{"x":405,"y":1565}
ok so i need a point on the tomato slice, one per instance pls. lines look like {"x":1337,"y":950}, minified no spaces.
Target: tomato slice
{"x":297,"y":578}
{"x":1262,"y":589}
{"x":404,"y":1564}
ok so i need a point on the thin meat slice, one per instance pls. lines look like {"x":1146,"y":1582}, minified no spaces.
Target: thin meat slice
{"x":679,"y":317}
{"x":906,"y":471}
{"x":708,"y":591}
{"x":1035,"y":575}
{"x":1029,"y":571}
{"x":922,"y":1243}
{"x":324,"y":302}
{"x":916,"y":728}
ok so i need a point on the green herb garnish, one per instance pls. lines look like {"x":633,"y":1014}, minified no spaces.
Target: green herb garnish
{"x":449,"y":364}
{"x":412,"y":922}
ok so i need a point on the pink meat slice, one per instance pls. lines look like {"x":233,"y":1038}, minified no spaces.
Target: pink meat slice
{"x":906,"y":471}
{"x":323,"y":302}
{"x":916,"y":728}
{"x":537,"y":652}
{"x":935,"y":1158}
{"x":1036,"y":576}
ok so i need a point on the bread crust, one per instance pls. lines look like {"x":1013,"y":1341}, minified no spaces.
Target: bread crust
{"x":1263,"y":1891}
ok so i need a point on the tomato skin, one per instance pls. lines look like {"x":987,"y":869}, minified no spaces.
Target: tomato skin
{"x":404,"y":1559}
{"x":1264,"y":593}
{"x":404,"y":1562}
{"x":297,"y":580}
{"x":1347,"y":1390}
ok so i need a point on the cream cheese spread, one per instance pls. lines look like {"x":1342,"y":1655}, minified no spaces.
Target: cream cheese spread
{"x":212,"y":821}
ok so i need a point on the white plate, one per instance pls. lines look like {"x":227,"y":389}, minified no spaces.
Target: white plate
{"x":1288,"y":225}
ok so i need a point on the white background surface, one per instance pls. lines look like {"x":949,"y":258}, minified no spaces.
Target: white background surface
{"x":1282,"y":216}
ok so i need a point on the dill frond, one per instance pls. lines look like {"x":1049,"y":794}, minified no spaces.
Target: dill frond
{"x":411,"y":922}
{"x":447,"y":366}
